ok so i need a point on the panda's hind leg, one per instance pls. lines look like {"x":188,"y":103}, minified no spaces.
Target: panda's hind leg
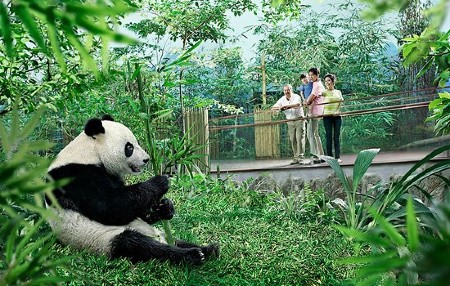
{"x":211,"y":250}
{"x":139,"y":248}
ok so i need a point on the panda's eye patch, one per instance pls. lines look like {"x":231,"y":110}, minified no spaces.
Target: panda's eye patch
{"x":129,"y":148}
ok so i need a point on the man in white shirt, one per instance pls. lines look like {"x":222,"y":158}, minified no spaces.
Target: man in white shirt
{"x":290,"y":105}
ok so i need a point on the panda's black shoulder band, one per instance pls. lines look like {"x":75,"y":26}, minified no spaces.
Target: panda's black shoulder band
{"x":93,"y":127}
{"x":107,"y":117}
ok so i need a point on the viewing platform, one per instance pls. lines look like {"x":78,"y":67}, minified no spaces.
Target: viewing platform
{"x":385,"y":165}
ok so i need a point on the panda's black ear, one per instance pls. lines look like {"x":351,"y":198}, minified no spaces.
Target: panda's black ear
{"x":107,"y":117}
{"x":93,"y":127}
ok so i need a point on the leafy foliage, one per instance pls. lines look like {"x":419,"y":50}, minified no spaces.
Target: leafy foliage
{"x":44,"y":20}
{"x":361,"y":61}
{"x":288,"y":49}
{"x":431,"y":46}
{"x":275,"y":11}
{"x":380,"y":7}
{"x":391,"y":251}
{"x":399,"y":256}
{"x":434,"y":49}
{"x":191,"y":21}
{"x":36,"y":34}
{"x":221,"y":76}
{"x":410,"y":257}
{"x":355,"y":217}
{"x":440,"y":108}
{"x":308,"y":205}
{"x":25,"y":248}
{"x":389,"y":203}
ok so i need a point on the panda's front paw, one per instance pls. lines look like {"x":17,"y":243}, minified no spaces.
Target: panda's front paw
{"x":161,"y":184}
{"x":165,"y":209}
{"x":194,"y":256}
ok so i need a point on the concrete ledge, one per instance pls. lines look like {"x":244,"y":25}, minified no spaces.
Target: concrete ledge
{"x":385,"y":165}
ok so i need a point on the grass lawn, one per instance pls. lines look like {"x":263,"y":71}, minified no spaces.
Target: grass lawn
{"x":260,"y":244}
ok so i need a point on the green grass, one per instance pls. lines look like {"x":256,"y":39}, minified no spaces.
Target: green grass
{"x":260,"y":244}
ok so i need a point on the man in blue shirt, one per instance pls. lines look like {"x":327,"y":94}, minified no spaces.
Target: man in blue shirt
{"x":305,"y":91}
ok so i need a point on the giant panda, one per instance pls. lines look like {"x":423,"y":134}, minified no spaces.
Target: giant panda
{"x":99,"y":212}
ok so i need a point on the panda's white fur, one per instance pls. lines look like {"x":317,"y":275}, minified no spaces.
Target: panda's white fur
{"x":100,"y":213}
{"x":76,"y":230}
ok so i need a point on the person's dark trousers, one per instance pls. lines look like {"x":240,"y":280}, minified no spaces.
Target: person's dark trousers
{"x":332,"y":126}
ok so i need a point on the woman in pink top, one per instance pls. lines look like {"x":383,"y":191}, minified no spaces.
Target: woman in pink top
{"x":314,"y":102}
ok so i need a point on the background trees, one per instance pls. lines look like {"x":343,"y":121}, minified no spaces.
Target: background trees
{"x":293,"y":38}
{"x":55,"y":55}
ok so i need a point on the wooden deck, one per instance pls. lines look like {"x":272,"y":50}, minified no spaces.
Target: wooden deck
{"x":385,"y":165}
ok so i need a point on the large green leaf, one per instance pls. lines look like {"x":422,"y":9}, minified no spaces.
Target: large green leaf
{"x":339,"y":173}
{"x":362,"y":164}
{"x":412,"y":226}
{"x":421,"y":163}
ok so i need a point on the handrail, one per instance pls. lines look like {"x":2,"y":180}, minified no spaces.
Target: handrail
{"x":347,"y":113}
{"x":346,"y":100}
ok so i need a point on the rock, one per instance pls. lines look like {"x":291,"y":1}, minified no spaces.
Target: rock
{"x":264,"y":183}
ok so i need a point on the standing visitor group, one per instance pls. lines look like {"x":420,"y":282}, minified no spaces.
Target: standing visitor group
{"x":304,"y":112}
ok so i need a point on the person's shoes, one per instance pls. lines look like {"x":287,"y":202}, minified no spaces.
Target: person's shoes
{"x":339,"y":160}
{"x":318,"y":161}
{"x":294,"y":162}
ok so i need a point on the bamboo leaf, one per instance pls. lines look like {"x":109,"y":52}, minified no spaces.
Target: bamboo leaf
{"x":368,"y":258}
{"x":15,"y":123}
{"x":18,"y":271}
{"x":364,"y":237}
{"x":30,"y":232}
{"x":87,"y":59}
{"x":32,"y":123}
{"x":371,"y":280}
{"x":55,"y":43}
{"x":4,"y":139}
{"x":425,"y":68}
{"x":6,"y":29}
{"x":35,"y":245}
{"x":9,"y":248}
{"x":120,"y":38}
{"x":388,"y":229}
{"x":136,"y":72}
{"x":412,"y":226}
{"x":57,"y":262}
{"x":39,"y":145}
{"x":93,"y":27}
{"x":30,"y":23}
{"x":100,"y":10}
{"x":194,"y":46}
{"x":382,"y":266}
